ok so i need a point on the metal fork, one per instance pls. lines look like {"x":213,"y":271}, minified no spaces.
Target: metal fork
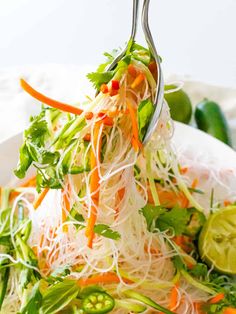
{"x":159,"y":96}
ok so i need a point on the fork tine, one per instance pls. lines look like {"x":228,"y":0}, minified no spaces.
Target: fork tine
{"x":158,"y":100}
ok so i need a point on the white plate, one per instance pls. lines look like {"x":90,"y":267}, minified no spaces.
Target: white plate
{"x":185,"y":139}
{"x":189,"y":139}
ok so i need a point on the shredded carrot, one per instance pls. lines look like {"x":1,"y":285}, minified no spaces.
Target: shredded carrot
{"x":113,"y":92}
{"x":87,"y":137}
{"x":104,"y":88}
{"x":13,"y":195}
{"x":230,"y":310}
{"x":198,"y":307}
{"x":178,"y":240}
{"x":113,"y":113}
{"x":169,"y":198}
{"x":121,"y":194}
{"x":100,"y":279}
{"x":40,"y":198}
{"x":138,"y":80}
{"x":136,"y":142}
{"x":30,"y":182}
{"x":152,"y":250}
{"x":41,"y":240}
{"x":184,"y":242}
{"x":227,"y":203}
{"x":183,"y":170}
{"x":49,"y":101}
{"x":35,"y":249}
{"x":217,"y":298}
{"x":107,"y":121}
{"x":88,"y":115}
{"x":174,"y":297}
{"x":194,"y":183}
{"x":94,"y":185}
{"x":131,"y":70}
{"x":65,"y":209}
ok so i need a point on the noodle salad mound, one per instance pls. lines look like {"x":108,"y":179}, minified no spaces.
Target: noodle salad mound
{"x":106,"y":224}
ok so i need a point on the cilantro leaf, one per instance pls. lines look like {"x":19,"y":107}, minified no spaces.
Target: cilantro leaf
{"x":101,"y":229}
{"x":99,"y":78}
{"x":145,"y":112}
{"x":177,"y":219}
{"x":163,"y":219}
{"x":199,"y":270}
{"x":38,"y":130}
{"x":151,"y":213}
{"x":33,"y":147}
{"x":106,"y":232}
{"x":25,"y":160}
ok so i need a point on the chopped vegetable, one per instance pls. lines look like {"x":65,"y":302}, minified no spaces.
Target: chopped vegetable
{"x":94,"y":185}
{"x":174,"y":297}
{"x":145,"y":113}
{"x":115,"y":84}
{"x":40,"y":198}
{"x":132,"y":71}
{"x":104,"y":278}
{"x":98,"y":78}
{"x":104,"y":88}
{"x":138,"y":80}
{"x":210,"y":119}
{"x":98,"y":303}
{"x":48,"y":101}
{"x":217,"y":298}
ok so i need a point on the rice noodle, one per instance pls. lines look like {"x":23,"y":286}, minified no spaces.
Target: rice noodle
{"x":131,"y":256}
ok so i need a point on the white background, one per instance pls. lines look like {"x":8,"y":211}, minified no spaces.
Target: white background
{"x":53,"y":43}
{"x":195,"y":37}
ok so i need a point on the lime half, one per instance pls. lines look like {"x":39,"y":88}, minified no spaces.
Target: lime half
{"x":217,"y":240}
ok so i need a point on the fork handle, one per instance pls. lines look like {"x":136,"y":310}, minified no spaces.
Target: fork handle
{"x":136,"y":4}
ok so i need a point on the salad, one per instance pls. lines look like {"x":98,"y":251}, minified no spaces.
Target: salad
{"x":105,"y":224}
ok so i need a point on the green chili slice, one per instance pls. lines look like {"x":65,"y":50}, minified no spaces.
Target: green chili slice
{"x":98,"y":303}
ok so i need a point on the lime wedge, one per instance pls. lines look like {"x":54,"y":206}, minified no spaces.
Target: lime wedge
{"x":179,"y":103}
{"x":217,"y":240}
